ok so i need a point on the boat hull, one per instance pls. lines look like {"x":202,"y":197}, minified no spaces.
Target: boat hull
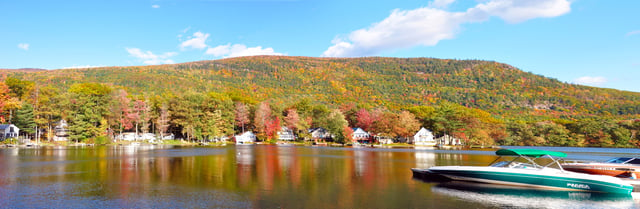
{"x":616,"y":170}
{"x":551,"y":179}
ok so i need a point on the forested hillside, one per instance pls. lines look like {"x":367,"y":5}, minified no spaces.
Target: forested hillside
{"x":392,"y":82}
{"x":506,"y":100}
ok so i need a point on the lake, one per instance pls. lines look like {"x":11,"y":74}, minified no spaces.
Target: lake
{"x":266,"y":176}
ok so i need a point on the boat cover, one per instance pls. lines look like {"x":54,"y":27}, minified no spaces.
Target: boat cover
{"x":529,"y":153}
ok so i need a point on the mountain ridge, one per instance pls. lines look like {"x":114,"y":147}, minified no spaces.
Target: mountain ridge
{"x":396,"y":83}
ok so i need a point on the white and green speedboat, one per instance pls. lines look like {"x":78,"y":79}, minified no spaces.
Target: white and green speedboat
{"x":529,"y":173}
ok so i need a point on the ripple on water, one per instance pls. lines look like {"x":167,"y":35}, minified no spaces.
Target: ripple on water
{"x":85,"y":195}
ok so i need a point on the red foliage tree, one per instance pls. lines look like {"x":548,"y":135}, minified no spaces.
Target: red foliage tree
{"x":348,"y":134}
{"x":271,"y":128}
{"x":4,"y":97}
{"x":365,"y":119}
{"x":292,"y":119}
{"x":263,"y":113}
{"x":122,"y":110}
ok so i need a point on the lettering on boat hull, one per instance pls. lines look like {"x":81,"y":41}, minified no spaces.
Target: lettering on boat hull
{"x":578,"y":186}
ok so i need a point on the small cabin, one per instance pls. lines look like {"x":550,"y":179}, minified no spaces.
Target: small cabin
{"x":61,"y":131}
{"x":383,"y":139}
{"x":361,"y":135}
{"x":245,"y":138}
{"x":448,"y":140}
{"x":8,"y":131}
{"x":286,"y":134}
{"x":320,"y":134}
{"x":424,"y":137}
{"x":127,"y":136}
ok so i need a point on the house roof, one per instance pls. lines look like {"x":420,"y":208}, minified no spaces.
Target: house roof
{"x":423,"y":130}
{"x":248,"y":133}
{"x":317,"y":129}
{"x":284,"y":128}
{"x":4,"y":126}
{"x":359,"y":130}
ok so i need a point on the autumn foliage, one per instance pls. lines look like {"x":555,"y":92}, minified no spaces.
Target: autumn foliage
{"x":479,"y":102}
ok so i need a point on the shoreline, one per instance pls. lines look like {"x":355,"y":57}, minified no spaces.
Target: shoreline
{"x":218,"y":144}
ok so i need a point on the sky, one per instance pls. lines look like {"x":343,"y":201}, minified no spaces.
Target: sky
{"x":589,"y":42}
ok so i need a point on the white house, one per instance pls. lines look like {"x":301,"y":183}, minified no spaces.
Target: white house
{"x":319,"y":133}
{"x":148,"y":136}
{"x":127,"y":136}
{"x":131,"y":136}
{"x":8,"y":131}
{"x":168,"y":137}
{"x":448,"y":140}
{"x":383,"y":139}
{"x":61,"y":131}
{"x":424,"y":137}
{"x":360,"y":135}
{"x":286,"y":134}
{"x":245,"y":138}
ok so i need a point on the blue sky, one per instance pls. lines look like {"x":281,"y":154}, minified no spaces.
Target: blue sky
{"x":591,"y":42}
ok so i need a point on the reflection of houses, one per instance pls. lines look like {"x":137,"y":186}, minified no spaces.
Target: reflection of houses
{"x":245,"y":138}
{"x":8,"y":131}
{"x":448,"y":140}
{"x":425,"y":157}
{"x":361,"y":135}
{"x":362,"y":162}
{"x":424,"y":137}
{"x":61,"y":131}
{"x":320,"y":134}
{"x":286,"y":134}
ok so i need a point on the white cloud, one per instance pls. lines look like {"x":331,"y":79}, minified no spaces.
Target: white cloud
{"x":635,"y":32}
{"x":149,"y":58}
{"x":197,"y":41}
{"x":402,"y":29}
{"x":155,"y":6}
{"x":219,"y":51}
{"x":429,"y":25}
{"x":23,"y":46}
{"x":515,"y":11}
{"x":440,"y":3}
{"x":239,"y":50}
{"x":588,"y":80}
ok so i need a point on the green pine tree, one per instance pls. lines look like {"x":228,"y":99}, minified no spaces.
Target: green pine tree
{"x":25,"y":119}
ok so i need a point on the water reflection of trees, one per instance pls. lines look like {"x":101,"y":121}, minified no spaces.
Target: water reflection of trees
{"x":270,"y":176}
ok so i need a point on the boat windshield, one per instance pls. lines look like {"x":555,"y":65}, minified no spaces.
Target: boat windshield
{"x":626,"y":160}
{"x":500,"y":164}
{"x":513,"y":164}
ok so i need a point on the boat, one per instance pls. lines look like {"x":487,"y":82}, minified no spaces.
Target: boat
{"x":528,"y":168}
{"x":621,"y":167}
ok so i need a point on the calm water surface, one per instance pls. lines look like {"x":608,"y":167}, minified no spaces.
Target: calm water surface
{"x":265,"y":176}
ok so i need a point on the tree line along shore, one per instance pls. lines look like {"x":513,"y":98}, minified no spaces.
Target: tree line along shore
{"x":97,"y":113}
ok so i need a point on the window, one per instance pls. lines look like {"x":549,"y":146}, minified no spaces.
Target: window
{"x":618,"y":160}
{"x":634,"y":161}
